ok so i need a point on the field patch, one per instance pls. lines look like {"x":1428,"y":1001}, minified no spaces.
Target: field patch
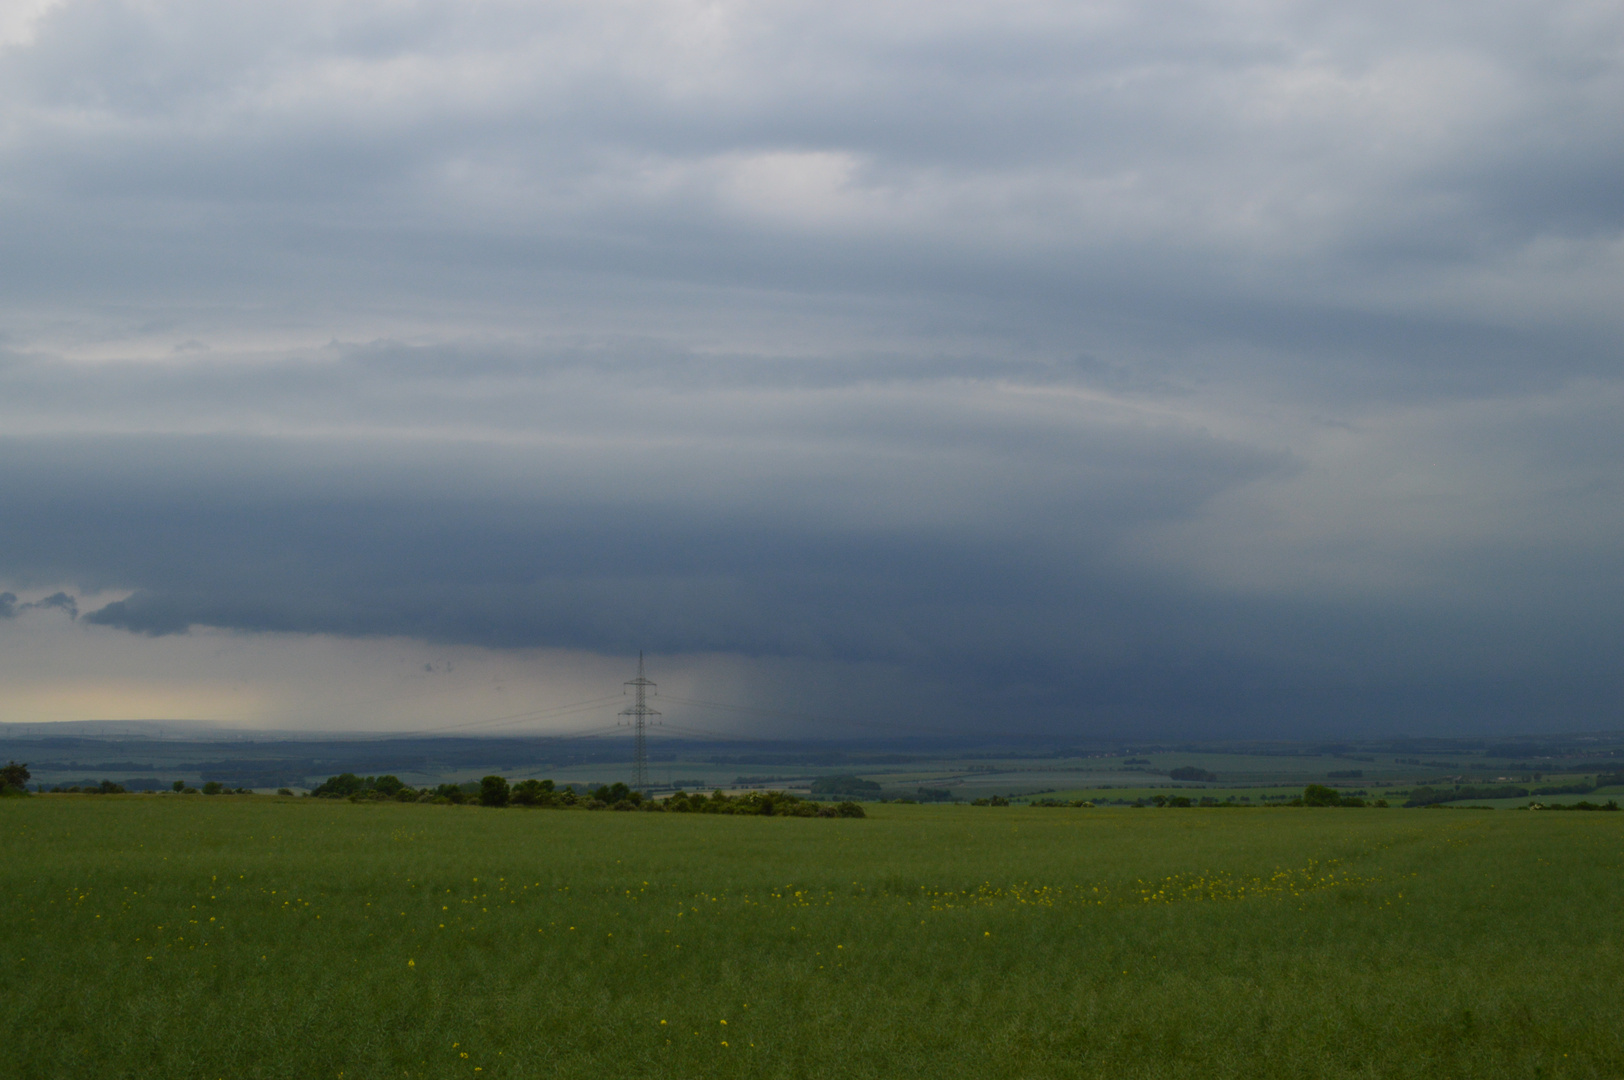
{"x":261,"y":937}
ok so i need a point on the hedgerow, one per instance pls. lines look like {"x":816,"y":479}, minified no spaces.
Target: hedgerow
{"x":495,"y":791}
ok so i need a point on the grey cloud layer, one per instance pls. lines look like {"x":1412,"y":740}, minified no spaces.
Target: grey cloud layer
{"x":1223,"y":153}
{"x":981,"y":532}
{"x":1222,"y":361}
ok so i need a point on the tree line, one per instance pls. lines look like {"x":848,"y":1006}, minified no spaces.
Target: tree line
{"x":1426,"y":796}
{"x":496,"y":791}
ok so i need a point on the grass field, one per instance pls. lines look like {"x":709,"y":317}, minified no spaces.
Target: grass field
{"x":263,"y":937}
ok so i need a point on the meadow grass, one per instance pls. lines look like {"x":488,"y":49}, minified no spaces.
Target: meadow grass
{"x":260,"y":937}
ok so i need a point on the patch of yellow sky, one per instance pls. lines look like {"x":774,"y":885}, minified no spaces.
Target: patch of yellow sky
{"x":58,"y":669}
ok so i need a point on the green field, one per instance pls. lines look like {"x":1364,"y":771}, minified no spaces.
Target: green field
{"x":248,"y":937}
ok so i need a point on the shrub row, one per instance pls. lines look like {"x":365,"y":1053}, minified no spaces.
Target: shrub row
{"x":1313,"y":795}
{"x":1583,"y":804}
{"x":496,"y":791}
{"x":1426,"y":796}
{"x":180,"y":787}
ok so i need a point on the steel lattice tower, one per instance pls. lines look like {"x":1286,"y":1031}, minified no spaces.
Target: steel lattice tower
{"x":638,"y":716}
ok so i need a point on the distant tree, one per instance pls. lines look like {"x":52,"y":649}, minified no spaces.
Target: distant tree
{"x":213,"y":787}
{"x":178,"y":786}
{"x":1320,"y":795}
{"x":493,"y":791}
{"x":15,"y":776}
{"x":533,"y":793}
{"x":844,"y":784}
{"x":336,"y":787}
{"x":284,"y":791}
{"x":107,"y":787}
{"x":609,"y":794}
{"x":388,"y":785}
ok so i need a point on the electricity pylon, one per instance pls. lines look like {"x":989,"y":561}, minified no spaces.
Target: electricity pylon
{"x":639,"y":715}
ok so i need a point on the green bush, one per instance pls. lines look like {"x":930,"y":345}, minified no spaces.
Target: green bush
{"x":356,"y":788}
{"x":533,"y":792}
{"x":337,"y":787}
{"x":616,"y":793}
{"x":493,"y":791}
{"x":15,"y":776}
{"x":389,"y":785}
{"x":1320,"y":795}
{"x":844,"y":784}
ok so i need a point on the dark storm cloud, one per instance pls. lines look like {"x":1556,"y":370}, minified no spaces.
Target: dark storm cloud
{"x":474,"y":544}
{"x":982,"y":543}
{"x":769,"y":550}
{"x":59,"y":601}
{"x":1192,"y":364}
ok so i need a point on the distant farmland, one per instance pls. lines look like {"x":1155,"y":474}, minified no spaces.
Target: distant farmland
{"x":264,"y":937}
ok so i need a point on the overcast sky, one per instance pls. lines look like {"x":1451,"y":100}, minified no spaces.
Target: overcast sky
{"x":1142,"y":368}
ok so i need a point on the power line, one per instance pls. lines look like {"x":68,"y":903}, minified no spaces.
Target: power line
{"x":549,"y":713}
{"x":534,"y":714}
{"x":689,"y":730}
{"x":638,"y":715}
{"x":783,"y":715}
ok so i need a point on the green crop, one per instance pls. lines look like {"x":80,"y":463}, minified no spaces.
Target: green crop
{"x":264,"y":937}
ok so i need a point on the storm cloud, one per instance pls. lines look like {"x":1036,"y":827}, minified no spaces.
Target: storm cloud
{"x":1157,"y":367}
